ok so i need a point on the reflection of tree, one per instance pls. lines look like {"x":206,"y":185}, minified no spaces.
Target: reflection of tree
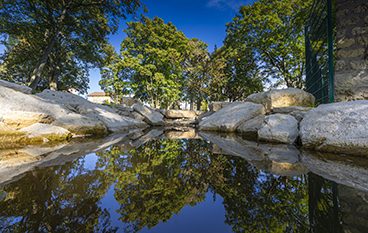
{"x":259,"y":202}
{"x":61,"y":199}
{"x":157,"y":180}
{"x":324,"y":213}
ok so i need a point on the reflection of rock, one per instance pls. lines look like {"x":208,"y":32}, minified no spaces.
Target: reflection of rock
{"x":188,"y":133}
{"x":181,"y":122}
{"x":14,"y":163}
{"x":354,"y":209}
{"x":279,"y":128}
{"x":283,"y":160}
{"x":278,"y":159}
{"x":230,"y":117}
{"x":232,"y":145}
{"x":152,"y":134}
{"x":338,"y":128}
{"x":349,"y":171}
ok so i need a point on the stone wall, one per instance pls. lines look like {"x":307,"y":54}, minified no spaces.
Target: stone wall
{"x":351,"y":71}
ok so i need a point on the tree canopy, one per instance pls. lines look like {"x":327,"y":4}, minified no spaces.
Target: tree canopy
{"x":274,"y":30}
{"x":157,"y":62}
{"x":55,"y":43}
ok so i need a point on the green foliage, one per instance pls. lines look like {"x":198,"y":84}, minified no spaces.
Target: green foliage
{"x":154,"y":63}
{"x":275,"y":32}
{"x":234,"y":74}
{"x":196,"y":70}
{"x":57,"y":40}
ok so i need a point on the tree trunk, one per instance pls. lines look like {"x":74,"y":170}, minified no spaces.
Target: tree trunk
{"x":36,"y":74}
{"x":199,"y":103}
{"x":53,"y":80}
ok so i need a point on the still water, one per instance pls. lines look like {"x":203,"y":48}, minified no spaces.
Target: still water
{"x":179,"y":185}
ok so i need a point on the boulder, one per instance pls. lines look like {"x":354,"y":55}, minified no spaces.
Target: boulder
{"x":250,"y":128}
{"x":21,"y":119}
{"x":151,"y":116}
{"x":216,"y":106}
{"x":204,"y":115}
{"x":279,"y":128}
{"x":296,"y":111}
{"x":282,"y":98}
{"x":230,"y":117}
{"x":20,"y":104}
{"x":177,"y":114}
{"x":337,"y":127}
{"x":16,"y":87}
{"x":105,"y":114}
{"x":291,"y":109}
{"x":48,"y":132}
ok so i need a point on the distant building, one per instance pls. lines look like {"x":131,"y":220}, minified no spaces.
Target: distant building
{"x":99,"y":98}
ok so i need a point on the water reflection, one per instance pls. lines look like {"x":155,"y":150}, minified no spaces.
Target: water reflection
{"x":153,"y":182}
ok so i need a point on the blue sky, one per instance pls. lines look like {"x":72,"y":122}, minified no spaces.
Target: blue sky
{"x":202,"y":19}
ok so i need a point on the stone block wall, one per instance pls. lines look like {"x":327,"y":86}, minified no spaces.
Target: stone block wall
{"x":351,"y":68}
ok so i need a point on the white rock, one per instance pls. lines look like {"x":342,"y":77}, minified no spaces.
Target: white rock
{"x":21,"y":119}
{"x":217,"y":105}
{"x":337,"y":127}
{"x":105,"y":114}
{"x":279,"y":128}
{"x":176,"y":114}
{"x":62,"y":109}
{"x":282,"y":98}
{"x":39,"y":130}
{"x":250,"y":128}
{"x":16,"y":87}
{"x":152,"y":117}
{"x":288,"y":110}
{"x":296,"y":111}
{"x":230,"y":117}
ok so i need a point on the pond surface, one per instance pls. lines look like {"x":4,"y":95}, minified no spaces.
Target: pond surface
{"x":178,"y":185}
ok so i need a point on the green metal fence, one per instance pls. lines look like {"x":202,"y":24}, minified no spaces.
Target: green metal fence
{"x":319,"y":40}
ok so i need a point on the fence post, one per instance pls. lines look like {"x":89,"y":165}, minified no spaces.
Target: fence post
{"x":331,"y":73}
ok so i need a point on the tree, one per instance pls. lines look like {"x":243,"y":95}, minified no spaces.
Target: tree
{"x":275,"y":31}
{"x":234,"y":73}
{"x":59,"y":39}
{"x":151,"y":62}
{"x":196,"y":73}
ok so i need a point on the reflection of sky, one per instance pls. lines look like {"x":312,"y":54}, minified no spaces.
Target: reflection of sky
{"x":205,"y":217}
